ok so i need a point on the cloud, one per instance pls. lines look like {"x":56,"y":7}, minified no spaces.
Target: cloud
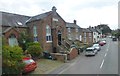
{"x":86,"y":12}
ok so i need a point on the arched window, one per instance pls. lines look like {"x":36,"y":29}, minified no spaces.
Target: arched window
{"x":48,"y":34}
{"x":12,"y":40}
{"x":35,"y":33}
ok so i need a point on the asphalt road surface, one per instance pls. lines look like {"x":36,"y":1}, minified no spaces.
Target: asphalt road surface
{"x":105,"y":62}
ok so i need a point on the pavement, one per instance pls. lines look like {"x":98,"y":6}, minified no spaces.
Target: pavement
{"x":105,"y":62}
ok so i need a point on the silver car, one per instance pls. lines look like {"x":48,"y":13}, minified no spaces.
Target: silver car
{"x":97,"y":47}
{"x":90,"y":51}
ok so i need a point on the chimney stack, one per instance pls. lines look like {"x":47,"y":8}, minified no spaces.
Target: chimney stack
{"x":75,"y":21}
{"x":54,"y":9}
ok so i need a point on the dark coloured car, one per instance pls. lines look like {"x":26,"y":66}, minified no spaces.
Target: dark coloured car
{"x":47,"y":55}
{"x":114,"y":39}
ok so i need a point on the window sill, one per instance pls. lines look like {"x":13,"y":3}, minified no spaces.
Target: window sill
{"x":48,"y":41}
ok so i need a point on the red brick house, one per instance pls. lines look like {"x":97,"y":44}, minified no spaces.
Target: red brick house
{"x":12,"y":26}
{"x":73,"y":31}
{"x":87,"y":36}
{"x":49,"y":29}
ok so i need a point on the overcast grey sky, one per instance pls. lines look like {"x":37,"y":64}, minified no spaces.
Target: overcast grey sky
{"x":86,"y":12}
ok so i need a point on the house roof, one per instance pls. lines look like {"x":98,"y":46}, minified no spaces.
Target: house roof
{"x":8,"y":29}
{"x":86,"y":30}
{"x":40,"y":16}
{"x":99,"y":31}
{"x":92,"y":29}
{"x":10,"y":19}
{"x":72,"y":25}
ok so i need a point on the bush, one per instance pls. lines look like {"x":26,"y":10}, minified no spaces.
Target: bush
{"x":12,"y":60}
{"x":34,"y":49}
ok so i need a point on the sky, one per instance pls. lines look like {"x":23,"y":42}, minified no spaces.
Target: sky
{"x":85,"y":12}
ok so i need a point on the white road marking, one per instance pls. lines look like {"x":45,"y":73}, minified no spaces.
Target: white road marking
{"x":105,"y":54}
{"x":64,"y":70}
{"x":102,"y":64}
{"x":107,"y":50}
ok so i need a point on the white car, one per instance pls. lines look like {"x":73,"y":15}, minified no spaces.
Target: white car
{"x":97,"y":47}
{"x":104,"y":41}
{"x":90,"y":51}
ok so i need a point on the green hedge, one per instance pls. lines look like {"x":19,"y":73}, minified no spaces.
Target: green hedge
{"x":34,"y":49}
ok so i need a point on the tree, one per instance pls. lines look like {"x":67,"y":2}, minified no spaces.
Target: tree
{"x":12,"y":60}
{"x":23,"y":40}
{"x":104,"y":28}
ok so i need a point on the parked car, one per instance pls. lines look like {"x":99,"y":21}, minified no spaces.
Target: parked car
{"x":97,"y":47}
{"x":30,"y":65}
{"x":114,"y":39}
{"x":47,"y":55}
{"x":101,"y":43}
{"x":90,"y":51}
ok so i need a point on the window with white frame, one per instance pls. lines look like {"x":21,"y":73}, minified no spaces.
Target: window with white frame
{"x":76,"y":29}
{"x":48,"y":34}
{"x":35,"y":33}
{"x":68,"y":29}
{"x":80,"y":38}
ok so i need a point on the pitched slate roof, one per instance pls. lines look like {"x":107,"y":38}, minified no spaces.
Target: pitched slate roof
{"x":72,"y":25}
{"x":92,"y":29}
{"x":40,"y":16}
{"x":10,"y":19}
{"x":99,"y":31}
{"x":86,"y":30}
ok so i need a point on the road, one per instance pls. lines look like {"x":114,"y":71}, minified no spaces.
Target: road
{"x":105,"y":62}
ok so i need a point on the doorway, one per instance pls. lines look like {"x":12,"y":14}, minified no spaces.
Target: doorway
{"x":59,"y":37}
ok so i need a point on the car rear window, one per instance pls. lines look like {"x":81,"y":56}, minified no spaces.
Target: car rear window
{"x":95,"y":45}
{"x":89,"y":50}
{"x":28,"y":61}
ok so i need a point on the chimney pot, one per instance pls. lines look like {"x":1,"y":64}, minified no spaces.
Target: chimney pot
{"x":75,"y":21}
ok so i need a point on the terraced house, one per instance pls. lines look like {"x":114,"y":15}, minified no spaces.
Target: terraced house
{"x":87,"y":36}
{"x":73,"y":31}
{"x":48,"y":28}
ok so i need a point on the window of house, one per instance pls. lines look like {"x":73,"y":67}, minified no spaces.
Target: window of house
{"x":68,"y":29}
{"x":80,"y":38}
{"x":48,"y":34}
{"x":12,"y":40}
{"x":77,"y":36}
{"x":76,"y":29}
{"x":90,"y":34}
{"x":35,"y":33}
{"x":84,"y":39}
{"x":85,"y":34}
{"x":69,"y":37}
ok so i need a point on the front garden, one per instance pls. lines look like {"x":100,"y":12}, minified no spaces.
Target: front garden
{"x":12,"y":55}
